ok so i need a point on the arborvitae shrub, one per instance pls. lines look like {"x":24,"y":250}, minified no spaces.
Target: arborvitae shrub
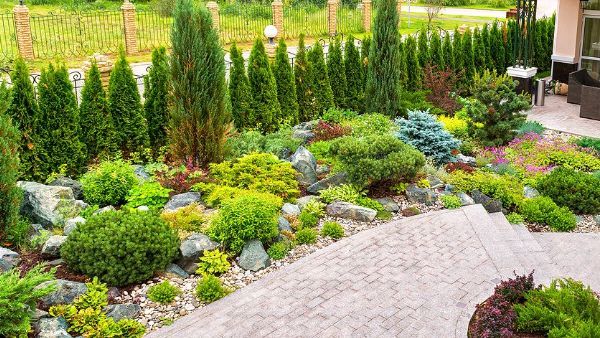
{"x":337,"y":74}
{"x":414,"y":77}
{"x":320,"y":78}
{"x":435,"y":49}
{"x":486,"y":40}
{"x":457,"y":51}
{"x":423,"y":43}
{"x":383,"y":79}
{"x":497,"y":47}
{"x":304,"y":84}
{"x":267,"y":112}
{"x":156,"y":94}
{"x":479,"y":51}
{"x":121,"y":247}
{"x":511,"y":27}
{"x":97,"y":129}
{"x":59,"y":127}
{"x":402,"y":66}
{"x":109,"y":183}
{"x":239,"y":90}
{"x":468,"y":56}
{"x":448,"y":52}
{"x":286,"y":87}
{"x":353,"y":69}
{"x":424,"y":132}
{"x":200,"y":116}
{"x":364,"y":55}
{"x":579,"y":191}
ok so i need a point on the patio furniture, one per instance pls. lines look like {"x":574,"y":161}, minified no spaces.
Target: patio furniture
{"x":577,"y":80}
{"x":590,"y":103}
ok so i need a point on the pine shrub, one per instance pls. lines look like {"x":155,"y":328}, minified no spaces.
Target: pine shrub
{"x":337,"y":74}
{"x":304,"y":84}
{"x":125,"y":108}
{"x":156,"y":95}
{"x":267,"y":112}
{"x":415,"y":75}
{"x":576,"y":190}
{"x":320,"y":80}
{"x":239,"y":90}
{"x":286,"y":87}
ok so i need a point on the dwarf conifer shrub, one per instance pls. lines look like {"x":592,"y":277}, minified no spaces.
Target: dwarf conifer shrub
{"x":320,"y":80}
{"x":121,"y":247}
{"x":266,"y":109}
{"x":109,"y":183}
{"x":543,"y":210}
{"x":156,"y":95}
{"x":286,"y":87}
{"x":239,"y":90}
{"x":163,"y":293}
{"x":333,"y":230}
{"x":576,"y":190}
{"x":210,"y":289}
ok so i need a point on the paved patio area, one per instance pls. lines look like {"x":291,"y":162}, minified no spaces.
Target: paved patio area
{"x":418,"y":277}
{"x":559,"y":115}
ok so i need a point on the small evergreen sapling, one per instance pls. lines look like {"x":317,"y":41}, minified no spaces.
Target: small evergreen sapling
{"x":352,"y":67}
{"x":286,"y":87}
{"x":337,"y":74}
{"x":320,"y":78}
{"x":156,"y":104}
{"x":304,"y":84}
{"x":239,"y":90}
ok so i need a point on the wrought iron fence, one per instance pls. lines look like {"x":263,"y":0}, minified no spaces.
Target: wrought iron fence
{"x":349,"y":19}
{"x":8,"y":38}
{"x":304,"y":18}
{"x":153,"y":30}
{"x":243,"y":22}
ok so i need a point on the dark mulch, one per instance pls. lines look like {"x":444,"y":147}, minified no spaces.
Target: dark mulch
{"x":31,"y":259}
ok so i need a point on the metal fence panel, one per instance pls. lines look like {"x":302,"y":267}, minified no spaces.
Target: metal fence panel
{"x":349,"y":19}
{"x":305,"y":18}
{"x":153,"y":30}
{"x":8,"y":38}
{"x":244,"y":22}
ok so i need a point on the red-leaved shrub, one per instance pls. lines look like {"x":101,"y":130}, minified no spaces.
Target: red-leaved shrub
{"x":441,"y":83}
{"x":453,"y":166}
{"x":180,"y":179}
{"x":327,"y":131}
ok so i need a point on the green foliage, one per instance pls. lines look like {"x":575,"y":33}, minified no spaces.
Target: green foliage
{"x":332,"y":229}
{"x":479,"y":51}
{"x":109,"y":183}
{"x":306,"y":236}
{"x":244,"y":218}
{"x":279,"y":250}
{"x":531,"y":127}
{"x":344,"y":193}
{"x":504,"y":188}
{"x":308,"y":219}
{"x":86,"y":315}
{"x":423,"y":44}
{"x":424,"y":132}
{"x":514,"y":218}
{"x":320,"y":80}
{"x":337,"y":74}
{"x":468,"y":55}
{"x":200,"y":117}
{"x":402,"y":66}
{"x":451,"y":201}
{"x":220,"y":193}
{"x":415,"y":75}
{"x":163,"y":293}
{"x":188,"y":218}
{"x":315,"y":207}
{"x":97,"y":129}
{"x":562,"y":306}
{"x":498,"y":111}
{"x":213,"y":262}
{"x":543,"y":210}
{"x":286,"y":87}
{"x":364,"y":54}
{"x":304,"y":84}
{"x":338,"y":116}
{"x":496,"y":48}
{"x":150,"y":194}
{"x":156,"y":95}
{"x":19,"y":296}
{"x":435,"y":49}
{"x":576,"y":190}
{"x":383,"y":77}
{"x":58,"y":124}
{"x":112,"y":244}
{"x":239,"y":90}
{"x":457,"y":51}
{"x":353,"y":67}
{"x":210,"y":288}
{"x":125,"y":108}
{"x":589,"y":142}
{"x":377,"y":158}
{"x":486,"y":43}
{"x":371,"y":124}
{"x":280,"y":143}
{"x":448,"y":52}
{"x":259,"y":172}
{"x":266,"y":109}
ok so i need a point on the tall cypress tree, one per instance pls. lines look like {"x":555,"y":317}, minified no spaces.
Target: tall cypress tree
{"x":364,"y":54}
{"x":200,"y":117}
{"x":468,"y":56}
{"x":156,"y":104}
{"x":320,"y":78}
{"x":437,"y":55}
{"x":97,"y":128}
{"x":383,"y":78}
{"x":423,"y":44}
{"x":24,"y":113}
{"x":267,"y":113}
{"x":337,"y":74}
{"x":304,"y":84}
{"x":497,"y":47}
{"x":125,"y":108}
{"x":479,"y":51}
{"x":353,"y":68}
{"x":485,"y":38}
{"x":457,"y":51}
{"x":59,"y":122}
{"x":239,"y":90}
{"x":448,"y":52}
{"x":415,"y":75}
{"x":286,"y":88}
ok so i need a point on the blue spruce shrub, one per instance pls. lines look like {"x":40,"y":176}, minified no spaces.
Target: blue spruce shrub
{"x":424,"y":132}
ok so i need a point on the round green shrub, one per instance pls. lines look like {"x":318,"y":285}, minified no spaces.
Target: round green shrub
{"x":246,"y":217}
{"x":109,"y":183}
{"x":121,"y":247}
{"x":150,"y":194}
{"x":210,"y":288}
{"x":213,"y":262}
{"x":306,"y":236}
{"x":308,"y":219}
{"x":576,"y":190}
{"x":543,"y":210}
{"x":278,"y":250}
{"x":333,"y":230}
{"x":163,"y":293}
{"x":451,"y":201}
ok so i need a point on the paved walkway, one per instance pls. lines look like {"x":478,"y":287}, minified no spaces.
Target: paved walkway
{"x":559,"y":115}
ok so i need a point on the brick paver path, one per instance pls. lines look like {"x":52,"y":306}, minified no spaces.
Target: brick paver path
{"x":418,"y":277}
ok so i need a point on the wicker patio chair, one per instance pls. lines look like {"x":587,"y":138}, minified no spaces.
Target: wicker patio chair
{"x":577,"y":80}
{"x":590,"y":102}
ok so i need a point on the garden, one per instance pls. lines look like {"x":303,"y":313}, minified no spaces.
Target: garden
{"x":122,"y":213}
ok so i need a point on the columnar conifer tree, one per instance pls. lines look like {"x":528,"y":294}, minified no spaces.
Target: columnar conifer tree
{"x":423,"y":44}
{"x":24,"y":113}
{"x":59,"y":122}
{"x":337,"y":73}
{"x":457,"y":50}
{"x":549,"y":39}
{"x":156,"y":104}
{"x":320,"y":78}
{"x":479,"y":51}
{"x":486,"y":40}
{"x":497,"y":48}
{"x":540,"y":45}
{"x":125,"y":108}
{"x":286,"y":88}
{"x":414,"y":77}
{"x":10,"y":139}
{"x":304,"y":84}
{"x":364,"y":54}
{"x":383,"y":77}
{"x":97,"y":129}
{"x":200,"y":117}
{"x":239,"y":90}
{"x":435,"y":45}
{"x":509,"y":52}
{"x":468,"y":57}
{"x":267,"y":113}
{"x":353,"y":68}
{"x":403,"y":65}
{"x":448,"y":52}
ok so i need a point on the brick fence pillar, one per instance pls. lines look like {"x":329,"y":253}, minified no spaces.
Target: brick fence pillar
{"x":277,"y":7}
{"x":129,"y":27}
{"x":23,"y":32}
{"x":367,"y":11}
{"x":332,"y":16}
{"x":213,"y":8}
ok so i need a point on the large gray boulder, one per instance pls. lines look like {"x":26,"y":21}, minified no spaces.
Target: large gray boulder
{"x":51,"y":249}
{"x":8,"y":259}
{"x":105,"y":209}
{"x":53,"y":328}
{"x":66,"y":292}
{"x":122,"y":311}
{"x":468,"y":160}
{"x":351,"y":211}
{"x":420,"y":195}
{"x":176,"y":270}
{"x":465,"y":199}
{"x":69,"y":183}
{"x":71,"y":224}
{"x":192,"y":248}
{"x":389,"y":204}
{"x":306,"y":164}
{"x":48,"y":205}
{"x":303,"y":131}
{"x":490,"y":204}
{"x":289,"y":209}
{"x":254,"y":257}
{"x":140,"y":173}
{"x":182,"y":200}
{"x":335,"y":180}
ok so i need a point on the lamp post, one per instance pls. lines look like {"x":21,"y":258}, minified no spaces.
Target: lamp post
{"x":270,"y":33}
